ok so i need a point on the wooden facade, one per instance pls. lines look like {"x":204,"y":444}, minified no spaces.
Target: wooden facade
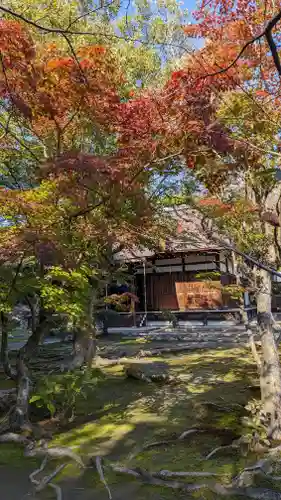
{"x":181,"y":278}
{"x":176,"y":282}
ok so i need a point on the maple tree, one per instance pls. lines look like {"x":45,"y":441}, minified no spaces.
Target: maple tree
{"x":141,"y":35}
{"x":75,"y":208}
{"x":90,"y":143}
{"x":220,"y":112}
{"x":217,"y":113}
{"x":237,"y":72}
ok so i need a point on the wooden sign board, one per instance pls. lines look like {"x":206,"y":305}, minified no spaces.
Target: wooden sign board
{"x":199,"y":295}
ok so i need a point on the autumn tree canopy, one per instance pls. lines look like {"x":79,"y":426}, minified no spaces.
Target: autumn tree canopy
{"x":95,"y":107}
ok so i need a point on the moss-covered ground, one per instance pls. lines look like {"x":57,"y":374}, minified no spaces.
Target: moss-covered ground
{"x":120,"y":415}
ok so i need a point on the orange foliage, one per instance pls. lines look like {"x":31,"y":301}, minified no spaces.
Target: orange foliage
{"x":215,"y":203}
{"x":57,"y":94}
{"x":48,"y":87}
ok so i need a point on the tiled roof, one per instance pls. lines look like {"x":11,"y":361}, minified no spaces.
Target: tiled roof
{"x":189,"y":236}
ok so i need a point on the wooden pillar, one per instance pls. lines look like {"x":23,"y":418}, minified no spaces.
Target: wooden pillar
{"x":144,"y":289}
{"x":243,"y":315}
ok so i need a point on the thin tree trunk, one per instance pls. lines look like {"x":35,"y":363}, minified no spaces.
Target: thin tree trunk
{"x":270,"y":372}
{"x":32,"y":309}
{"x":244,"y":316}
{"x":242,"y":312}
{"x":85,"y":341}
{"x":92,"y":348}
{"x":254,"y":349}
{"x":92,"y":345}
{"x":4,"y":348}
{"x":20,"y":416}
{"x":84,"y":348}
{"x":38,"y":332}
{"x":79,"y":349}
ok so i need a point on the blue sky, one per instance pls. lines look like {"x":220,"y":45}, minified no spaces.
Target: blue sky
{"x":186,"y":4}
{"x":189,"y":4}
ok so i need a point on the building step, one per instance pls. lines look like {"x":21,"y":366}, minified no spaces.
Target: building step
{"x":187,"y":328}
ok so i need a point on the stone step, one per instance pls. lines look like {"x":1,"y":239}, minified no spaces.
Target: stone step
{"x":143,"y":331}
{"x":190,"y":337}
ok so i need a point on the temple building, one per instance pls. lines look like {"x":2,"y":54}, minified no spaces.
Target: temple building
{"x":186,"y":278}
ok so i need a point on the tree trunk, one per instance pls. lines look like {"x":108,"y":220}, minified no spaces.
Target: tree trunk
{"x":85,"y":342}
{"x":20,"y":416}
{"x":35,"y":338}
{"x":92,"y":344}
{"x":4,"y":348}
{"x":242,"y":313}
{"x":32,"y":308}
{"x":270,"y":372}
{"x":79,"y":349}
{"x":84,"y":348}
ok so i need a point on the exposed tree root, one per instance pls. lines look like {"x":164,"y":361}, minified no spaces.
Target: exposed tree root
{"x":36,"y":471}
{"x":101,"y":475}
{"x":240,"y":486}
{"x":184,"y":434}
{"x":167,"y":473}
{"x":219,"y":448}
{"x":145,"y":476}
{"x":57,"y":489}
{"x":219,"y":407}
{"x":46,"y":481}
{"x":148,"y":446}
{"x":11,"y":437}
{"x":263,"y":467}
{"x":54,"y":452}
{"x":124,"y":470}
{"x":255,"y":493}
{"x":165,"y":442}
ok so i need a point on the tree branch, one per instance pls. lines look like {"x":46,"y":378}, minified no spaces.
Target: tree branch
{"x":267,"y":33}
{"x":88,"y":13}
{"x":61,"y":31}
{"x":273,"y":51}
{"x":21,"y":143}
{"x":245,"y":256}
{"x":270,"y":41}
{"x":84,"y":78}
{"x":90,"y":208}
{"x":15,"y":277}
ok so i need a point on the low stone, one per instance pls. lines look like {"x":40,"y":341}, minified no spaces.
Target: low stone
{"x":149,"y":372}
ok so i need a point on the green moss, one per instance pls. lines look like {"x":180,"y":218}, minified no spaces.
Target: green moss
{"x":12,"y":454}
{"x":94,"y":438}
{"x":120,"y":415}
{"x":115,"y":370}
